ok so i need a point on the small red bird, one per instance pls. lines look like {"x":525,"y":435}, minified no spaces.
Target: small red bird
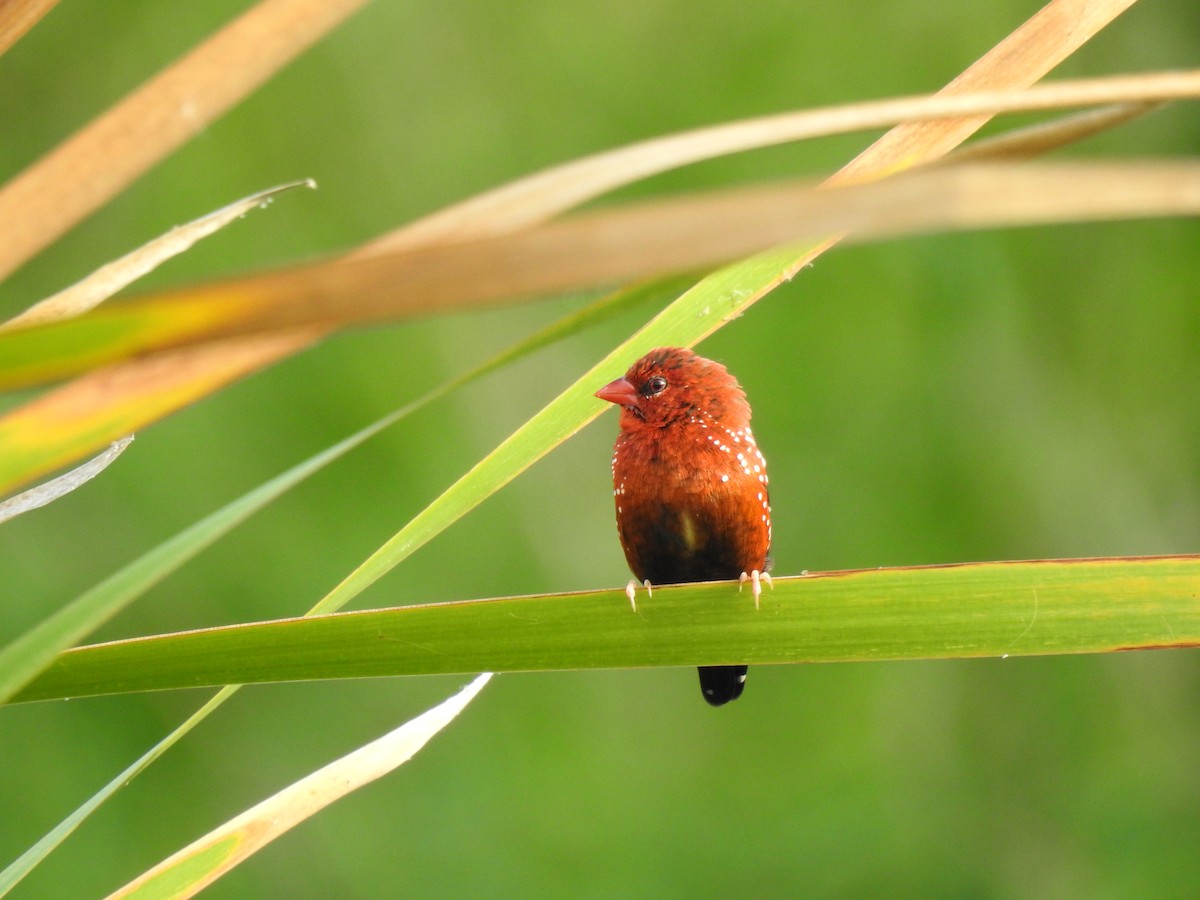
{"x":690,"y":484}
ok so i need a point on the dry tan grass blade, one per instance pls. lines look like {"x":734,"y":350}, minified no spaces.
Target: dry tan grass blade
{"x":201,"y":863}
{"x":620,"y":244}
{"x":1050,"y":36}
{"x":1037,"y":140}
{"x":99,"y":161}
{"x":93,"y":290}
{"x":39,"y":496}
{"x":1019,"y":144}
{"x":18,"y":16}
{"x":545,"y":194}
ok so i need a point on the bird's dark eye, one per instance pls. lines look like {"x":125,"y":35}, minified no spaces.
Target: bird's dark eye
{"x":655,"y":385}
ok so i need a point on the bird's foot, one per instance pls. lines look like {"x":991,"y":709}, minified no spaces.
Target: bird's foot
{"x":631,"y":591}
{"x":756,"y":578}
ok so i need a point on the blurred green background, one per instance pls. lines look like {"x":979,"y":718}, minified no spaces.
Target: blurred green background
{"x":1006,"y":395}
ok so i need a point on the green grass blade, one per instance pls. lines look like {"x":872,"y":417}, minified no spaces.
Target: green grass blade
{"x":745,"y":291}
{"x":24,"y":657}
{"x":27,"y":861}
{"x":715,"y":301}
{"x":937,"y":612}
{"x":21,"y":661}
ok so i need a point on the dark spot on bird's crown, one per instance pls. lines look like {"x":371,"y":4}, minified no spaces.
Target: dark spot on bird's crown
{"x":669,"y":358}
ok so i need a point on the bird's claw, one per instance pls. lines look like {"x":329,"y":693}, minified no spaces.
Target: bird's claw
{"x":631,"y":591}
{"x":755,"y":578}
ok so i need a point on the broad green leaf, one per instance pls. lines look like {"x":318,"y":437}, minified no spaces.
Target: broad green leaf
{"x":937,"y":612}
{"x":24,"y":657}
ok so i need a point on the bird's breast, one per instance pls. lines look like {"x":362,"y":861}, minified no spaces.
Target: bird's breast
{"x":691,"y":505}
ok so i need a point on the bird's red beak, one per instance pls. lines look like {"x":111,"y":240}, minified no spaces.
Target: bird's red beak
{"x":620,"y":392}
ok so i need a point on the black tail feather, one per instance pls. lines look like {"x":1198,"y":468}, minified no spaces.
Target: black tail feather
{"x":720,"y":684}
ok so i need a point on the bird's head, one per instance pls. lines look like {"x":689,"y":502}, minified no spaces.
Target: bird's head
{"x":672,"y":385}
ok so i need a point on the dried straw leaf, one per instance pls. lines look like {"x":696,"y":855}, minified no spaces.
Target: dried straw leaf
{"x":614,"y":245}
{"x":18,"y":16}
{"x":611,"y":246}
{"x":93,"y":290}
{"x":1037,"y":140}
{"x":538,"y":197}
{"x":233,"y":303}
{"x":1050,"y":36}
{"x":63,"y":484}
{"x":201,"y":863}
{"x":98,"y":162}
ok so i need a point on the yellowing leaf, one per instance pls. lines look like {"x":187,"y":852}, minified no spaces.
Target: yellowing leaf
{"x":201,"y":863}
{"x":112,"y":277}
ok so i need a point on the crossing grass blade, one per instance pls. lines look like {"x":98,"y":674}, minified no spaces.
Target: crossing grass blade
{"x":21,"y":661}
{"x":25,"y":656}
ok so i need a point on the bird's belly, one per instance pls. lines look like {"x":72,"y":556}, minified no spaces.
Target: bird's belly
{"x":668,"y":542}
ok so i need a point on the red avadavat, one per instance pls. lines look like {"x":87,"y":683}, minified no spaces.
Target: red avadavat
{"x":690,"y":483}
